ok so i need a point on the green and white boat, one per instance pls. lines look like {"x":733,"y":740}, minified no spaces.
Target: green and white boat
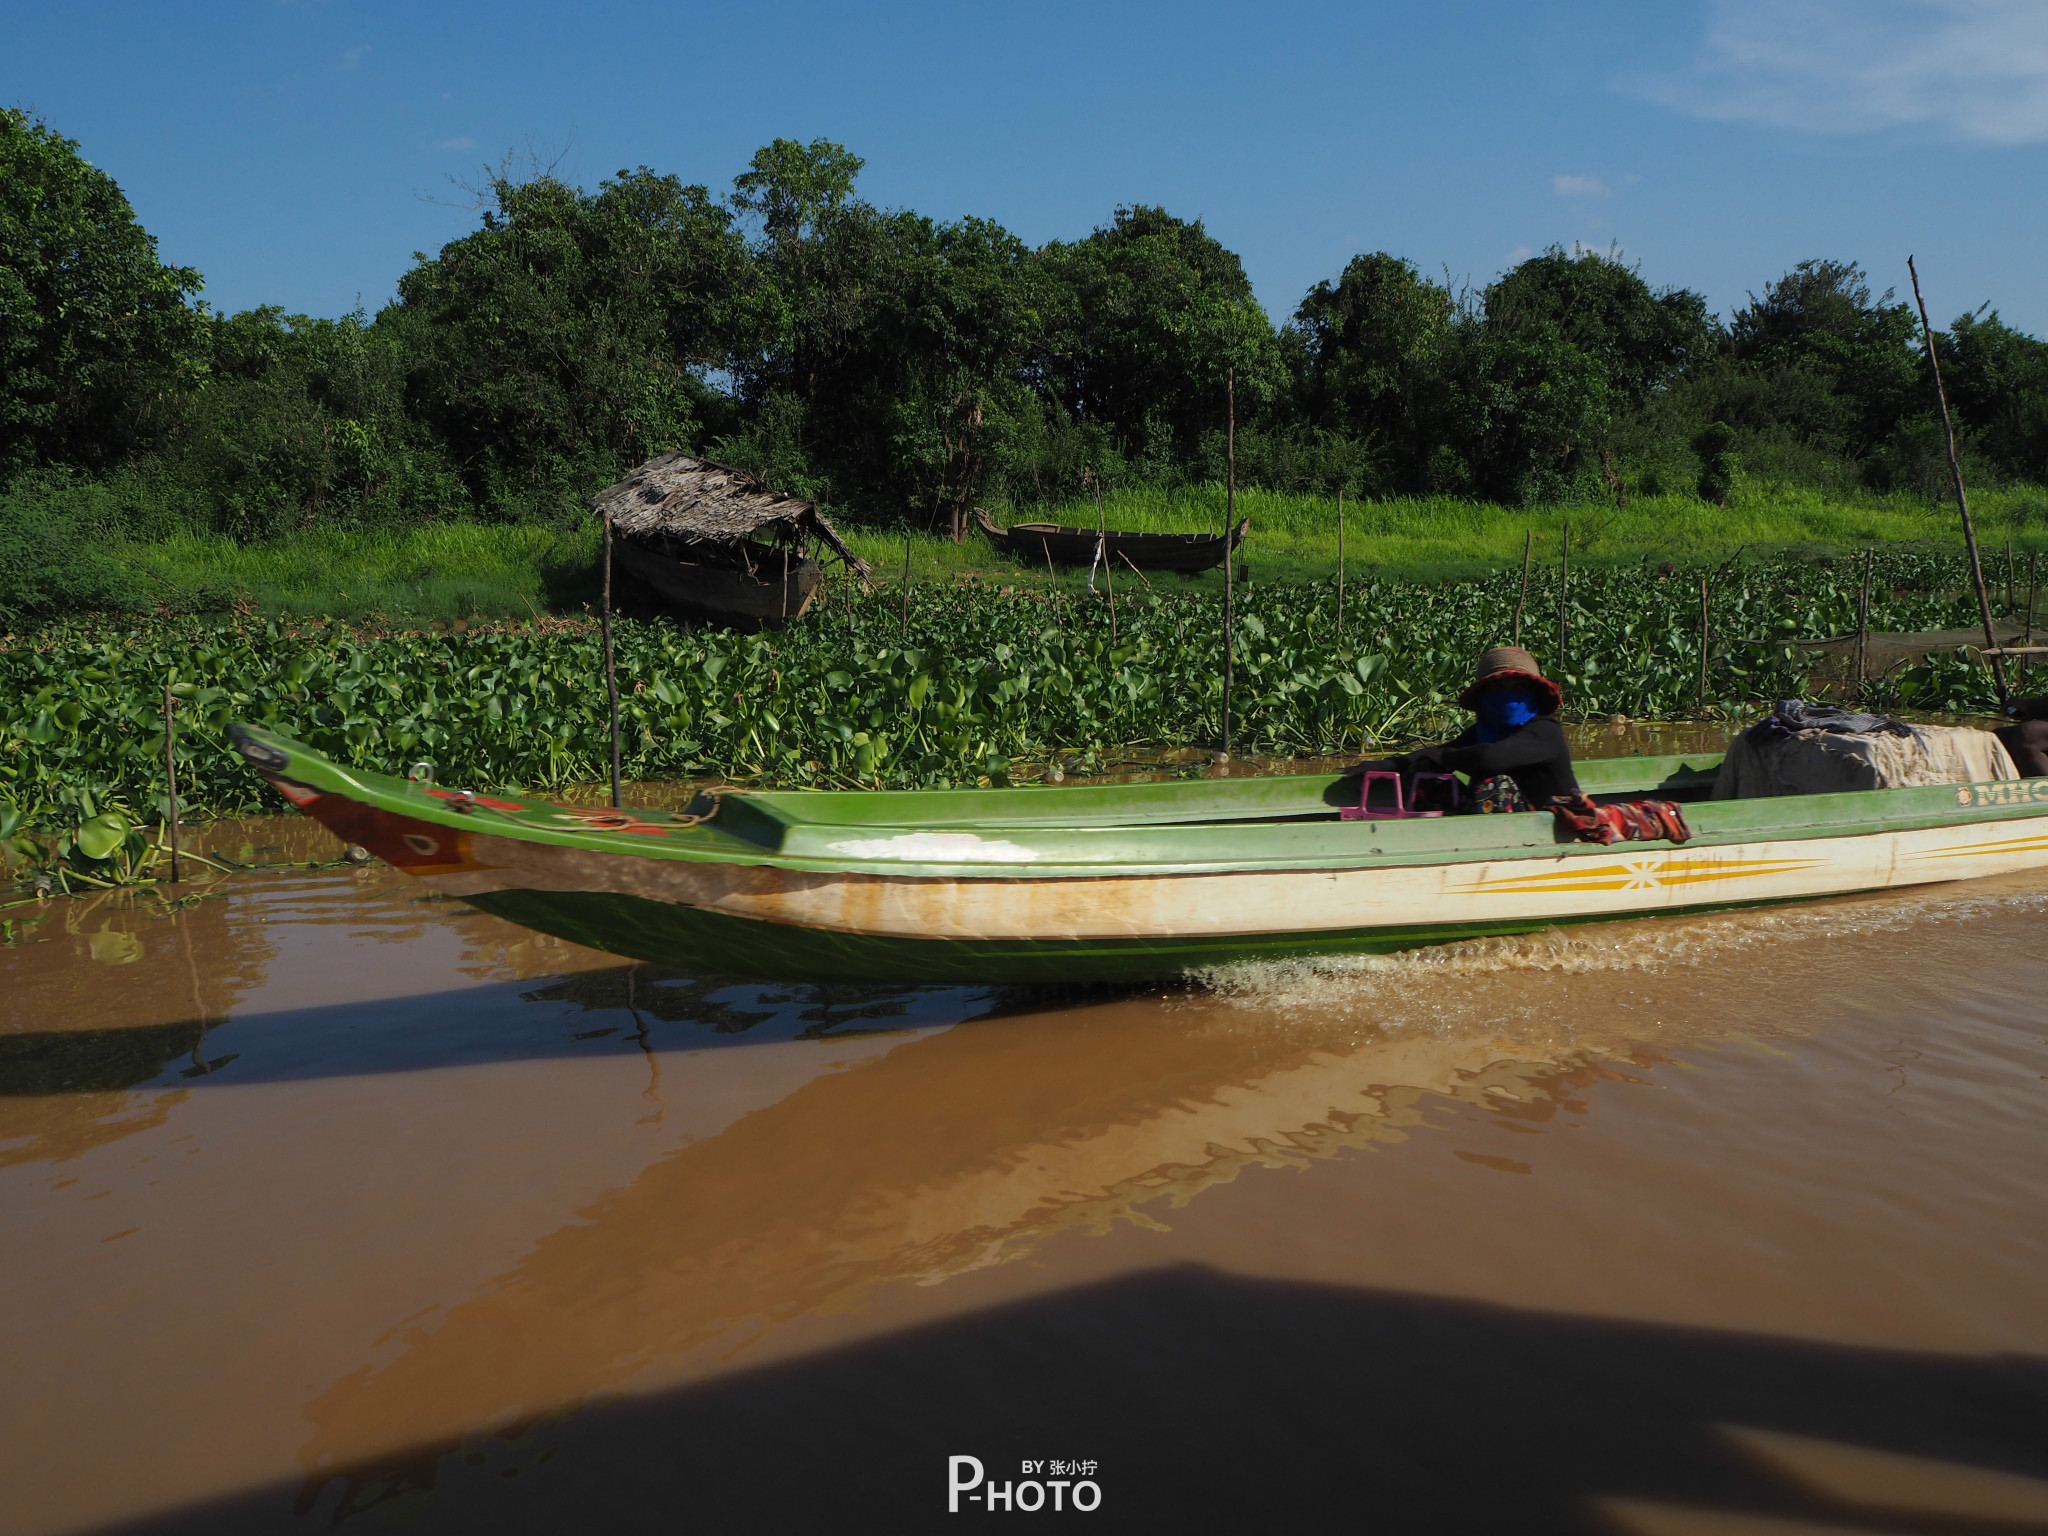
{"x":1125,"y":881}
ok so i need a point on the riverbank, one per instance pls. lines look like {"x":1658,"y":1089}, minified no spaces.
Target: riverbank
{"x":470,"y":570}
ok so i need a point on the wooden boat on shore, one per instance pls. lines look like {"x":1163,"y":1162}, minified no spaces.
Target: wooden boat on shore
{"x":1124,"y":882}
{"x":717,"y":544}
{"x":1187,"y":553}
{"x":764,"y":593}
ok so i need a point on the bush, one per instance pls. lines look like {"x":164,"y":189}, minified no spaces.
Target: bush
{"x":54,"y":532}
{"x":66,"y":542}
{"x":1715,"y":445}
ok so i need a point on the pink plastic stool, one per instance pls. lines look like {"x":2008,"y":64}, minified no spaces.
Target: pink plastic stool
{"x":1408,"y":795}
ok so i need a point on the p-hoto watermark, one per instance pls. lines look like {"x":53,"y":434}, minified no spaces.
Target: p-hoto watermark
{"x":1056,"y":1486}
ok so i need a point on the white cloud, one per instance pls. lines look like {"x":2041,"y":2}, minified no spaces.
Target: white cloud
{"x":1517,"y":256}
{"x":460,"y":142}
{"x":355,"y":56}
{"x":1578,"y":186}
{"x":1974,"y":69}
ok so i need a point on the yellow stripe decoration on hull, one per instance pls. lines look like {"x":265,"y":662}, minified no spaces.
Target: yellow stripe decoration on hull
{"x":1649,"y":872}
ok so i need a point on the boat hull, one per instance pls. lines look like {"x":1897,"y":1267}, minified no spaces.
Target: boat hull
{"x":724,"y":596}
{"x":1187,"y":553}
{"x":1131,"y":928}
{"x":824,"y":887}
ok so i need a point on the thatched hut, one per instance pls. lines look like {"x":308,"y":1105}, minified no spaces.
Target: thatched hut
{"x":715,"y":542}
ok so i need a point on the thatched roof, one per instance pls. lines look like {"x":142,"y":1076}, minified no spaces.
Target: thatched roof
{"x":692,"y":498}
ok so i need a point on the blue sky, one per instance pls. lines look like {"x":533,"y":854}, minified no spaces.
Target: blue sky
{"x":298,"y":151}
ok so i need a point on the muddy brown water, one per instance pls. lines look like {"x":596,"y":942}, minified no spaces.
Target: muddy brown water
{"x":326,"y":1202}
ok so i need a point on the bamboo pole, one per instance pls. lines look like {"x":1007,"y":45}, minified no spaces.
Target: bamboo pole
{"x":1229,"y":522}
{"x":2033,"y":589}
{"x":171,"y":774}
{"x":1102,"y":543}
{"x":1340,"y":565}
{"x":1955,"y":466}
{"x":611,"y":677}
{"x":1109,"y":586}
{"x":1528,"y":549}
{"x":1564,"y":577}
{"x":1863,"y":622}
{"x":1053,"y":576}
{"x":906,"y":585}
{"x":1706,"y":635}
{"x":2010,"y":599}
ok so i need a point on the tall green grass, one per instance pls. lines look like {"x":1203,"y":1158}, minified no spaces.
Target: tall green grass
{"x":440,"y":571}
{"x":1296,"y":536}
{"x":460,"y":570}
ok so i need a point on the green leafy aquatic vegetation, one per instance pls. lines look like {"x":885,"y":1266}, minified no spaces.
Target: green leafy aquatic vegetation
{"x":979,"y":684}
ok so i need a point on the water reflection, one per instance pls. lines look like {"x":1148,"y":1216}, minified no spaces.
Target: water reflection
{"x":943,"y":1153}
{"x":436,"y":1178}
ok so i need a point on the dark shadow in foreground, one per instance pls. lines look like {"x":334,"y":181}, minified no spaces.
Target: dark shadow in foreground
{"x":591,"y":1013}
{"x":1212,"y":1402}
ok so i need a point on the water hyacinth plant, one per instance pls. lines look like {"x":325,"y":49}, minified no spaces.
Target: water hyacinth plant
{"x":976,"y":685}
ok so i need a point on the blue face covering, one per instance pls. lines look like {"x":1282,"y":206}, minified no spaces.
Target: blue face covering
{"x":1504,"y":708}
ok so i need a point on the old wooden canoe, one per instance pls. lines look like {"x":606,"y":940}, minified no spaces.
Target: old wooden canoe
{"x":1123,"y":882}
{"x":773,"y":594}
{"x":1188,"y":553}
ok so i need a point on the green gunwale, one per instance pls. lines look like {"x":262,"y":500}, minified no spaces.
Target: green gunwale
{"x":1198,"y":827}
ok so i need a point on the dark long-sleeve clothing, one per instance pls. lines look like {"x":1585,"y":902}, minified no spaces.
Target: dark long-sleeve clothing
{"x":1535,"y":756}
{"x":2027,"y":741}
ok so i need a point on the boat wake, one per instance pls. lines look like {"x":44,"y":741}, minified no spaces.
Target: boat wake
{"x":1566,"y":986}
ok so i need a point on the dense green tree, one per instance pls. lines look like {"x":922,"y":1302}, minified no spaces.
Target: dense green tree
{"x":790,"y":187}
{"x":1819,"y":356}
{"x":1643,"y":338}
{"x":1154,"y":314}
{"x":571,"y":335}
{"x":887,"y":365}
{"x":96,"y":334}
{"x":305,"y":420}
{"x":1525,"y":412}
{"x":1997,"y":381}
{"x":1367,"y":354}
{"x":963,"y":324}
{"x":903,"y":367}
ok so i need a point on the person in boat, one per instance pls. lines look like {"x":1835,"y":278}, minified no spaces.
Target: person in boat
{"x":2026,"y":738}
{"x":1514,"y":733}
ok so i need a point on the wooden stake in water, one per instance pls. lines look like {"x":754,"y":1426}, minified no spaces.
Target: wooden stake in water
{"x":611,"y":677}
{"x":1053,"y":576}
{"x":2010,"y":597}
{"x":1102,"y":543}
{"x":171,"y":774}
{"x":1564,"y":577}
{"x":1705,"y":636}
{"x":1229,"y":522}
{"x":1340,"y":565}
{"x":906,"y":587}
{"x":1528,"y":549}
{"x":2033,"y":573}
{"x":1955,"y":466}
{"x":1863,"y":621}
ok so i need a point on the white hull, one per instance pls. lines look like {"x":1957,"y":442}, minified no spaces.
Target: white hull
{"x":1576,"y":884}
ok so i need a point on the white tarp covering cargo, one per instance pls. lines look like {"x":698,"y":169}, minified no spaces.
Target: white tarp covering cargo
{"x":1834,"y":762}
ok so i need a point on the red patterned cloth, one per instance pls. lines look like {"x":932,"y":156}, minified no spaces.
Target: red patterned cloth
{"x":1631,"y":821}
